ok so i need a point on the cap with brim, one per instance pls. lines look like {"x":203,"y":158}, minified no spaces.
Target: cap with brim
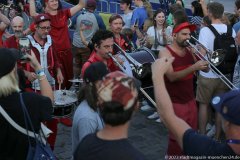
{"x":96,"y":71}
{"x":8,"y":59}
{"x":40,"y":18}
{"x":228,"y":105}
{"x":184,"y":25}
{"x":91,"y":3}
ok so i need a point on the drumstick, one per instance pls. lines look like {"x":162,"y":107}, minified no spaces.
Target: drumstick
{"x":59,"y":86}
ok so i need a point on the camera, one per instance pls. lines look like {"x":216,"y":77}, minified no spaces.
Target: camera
{"x":24,"y":48}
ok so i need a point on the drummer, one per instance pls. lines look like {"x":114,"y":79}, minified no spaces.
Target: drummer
{"x":103,"y":45}
{"x":42,"y":47}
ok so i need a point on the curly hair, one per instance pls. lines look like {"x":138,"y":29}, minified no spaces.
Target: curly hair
{"x":101,"y":35}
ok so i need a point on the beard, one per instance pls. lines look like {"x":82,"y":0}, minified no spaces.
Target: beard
{"x":18,"y":34}
{"x":182,"y":43}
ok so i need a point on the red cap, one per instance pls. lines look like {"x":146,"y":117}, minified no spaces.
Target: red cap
{"x":184,"y":25}
{"x":91,"y":3}
{"x":41,"y":17}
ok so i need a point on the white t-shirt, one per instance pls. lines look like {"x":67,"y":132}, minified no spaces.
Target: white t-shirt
{"x":151,"y":33}
{"x":206,"y":37}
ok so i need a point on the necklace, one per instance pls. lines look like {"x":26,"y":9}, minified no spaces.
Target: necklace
{"x":233,"y":141}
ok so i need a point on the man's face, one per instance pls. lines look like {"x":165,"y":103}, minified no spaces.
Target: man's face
{"x":42,"y":29}
{"x":17,"y":29}
{"x":116,"y":26}
{"x":104,"y":48}
{"x":182,"y":36}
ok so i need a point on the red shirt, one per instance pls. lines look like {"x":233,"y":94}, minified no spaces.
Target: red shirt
{"x":95,"y":58}
{"x":59,"y":31}
{"x":1,"y":42}
{"x":11,"y":42}
{"x":181,"y":91}
{"x":124,"y":44}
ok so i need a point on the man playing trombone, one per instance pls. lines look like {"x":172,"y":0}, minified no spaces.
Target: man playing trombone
{"x":179,"y":79}
{"x":103,"y":46}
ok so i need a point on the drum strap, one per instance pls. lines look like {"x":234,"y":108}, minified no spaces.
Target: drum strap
{"x":43,"y":51}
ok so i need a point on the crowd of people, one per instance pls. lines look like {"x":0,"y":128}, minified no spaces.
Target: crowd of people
{"x":190,"y":94}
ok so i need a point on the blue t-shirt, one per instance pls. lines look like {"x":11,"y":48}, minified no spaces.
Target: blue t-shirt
{"x":195,"y":144}
{"x":236,"y":26}
{"x":139,"y":15}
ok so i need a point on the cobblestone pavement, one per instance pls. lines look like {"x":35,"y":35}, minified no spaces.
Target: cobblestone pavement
{"x":146,"y":135}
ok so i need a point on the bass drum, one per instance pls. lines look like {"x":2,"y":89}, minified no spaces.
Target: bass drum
{"x":145,"y":57}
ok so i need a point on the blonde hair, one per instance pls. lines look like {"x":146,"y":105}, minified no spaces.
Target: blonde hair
{"x":9,"y":84}
{"x":147,"y":5}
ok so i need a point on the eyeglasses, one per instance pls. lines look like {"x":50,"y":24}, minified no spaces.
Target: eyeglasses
{"x":45,"y":28}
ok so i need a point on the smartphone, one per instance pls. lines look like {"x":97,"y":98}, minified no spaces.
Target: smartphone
{"x":24,"y":47}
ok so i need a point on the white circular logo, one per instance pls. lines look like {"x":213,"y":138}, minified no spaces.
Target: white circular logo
{"x":216,"y":100}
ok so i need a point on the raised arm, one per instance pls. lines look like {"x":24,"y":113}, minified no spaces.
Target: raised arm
{"x":84,"y":41}
{"x":77,"y":8}
{"x":204,"y":7}
{"x":4,"y":22}
{"x":32,"y":8}
{"x":164,"y":105}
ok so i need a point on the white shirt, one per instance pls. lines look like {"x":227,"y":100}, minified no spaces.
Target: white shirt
{"x":159,"y":35}
{"x":206,"y":37}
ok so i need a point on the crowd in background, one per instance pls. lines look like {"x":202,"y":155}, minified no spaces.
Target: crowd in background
{"x":166,"y":33}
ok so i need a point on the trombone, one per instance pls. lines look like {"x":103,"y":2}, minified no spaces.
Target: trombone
{"x":215,"y":57}
{"x":123,"y":70}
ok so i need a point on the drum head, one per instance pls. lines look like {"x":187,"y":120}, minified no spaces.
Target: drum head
{"x":64,"y":97}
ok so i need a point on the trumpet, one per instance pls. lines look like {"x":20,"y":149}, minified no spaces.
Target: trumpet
{"x":214,"y":59}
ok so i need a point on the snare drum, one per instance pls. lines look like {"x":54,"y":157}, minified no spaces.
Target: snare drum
{"x":64,"y":103}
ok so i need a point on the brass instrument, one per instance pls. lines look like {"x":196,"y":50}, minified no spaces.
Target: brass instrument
{"x":123,"y":70}
{"x":214,"y":59}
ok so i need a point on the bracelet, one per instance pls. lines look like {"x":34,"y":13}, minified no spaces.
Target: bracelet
{"x":42,"y":77}
{"x":40,"y":72}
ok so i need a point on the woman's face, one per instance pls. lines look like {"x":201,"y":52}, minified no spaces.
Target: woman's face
{"x":193,"y":9}
{"x":160,"y":18}
{"x":52,"y":4}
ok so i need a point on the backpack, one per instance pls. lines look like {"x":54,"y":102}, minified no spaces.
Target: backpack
{"x":225,"y":42}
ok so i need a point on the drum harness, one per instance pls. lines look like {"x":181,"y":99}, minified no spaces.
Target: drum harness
{"x":43,"y":51}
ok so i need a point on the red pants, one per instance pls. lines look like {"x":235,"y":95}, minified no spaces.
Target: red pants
{"x":66,"y":60}
{"x":187,"y":112}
